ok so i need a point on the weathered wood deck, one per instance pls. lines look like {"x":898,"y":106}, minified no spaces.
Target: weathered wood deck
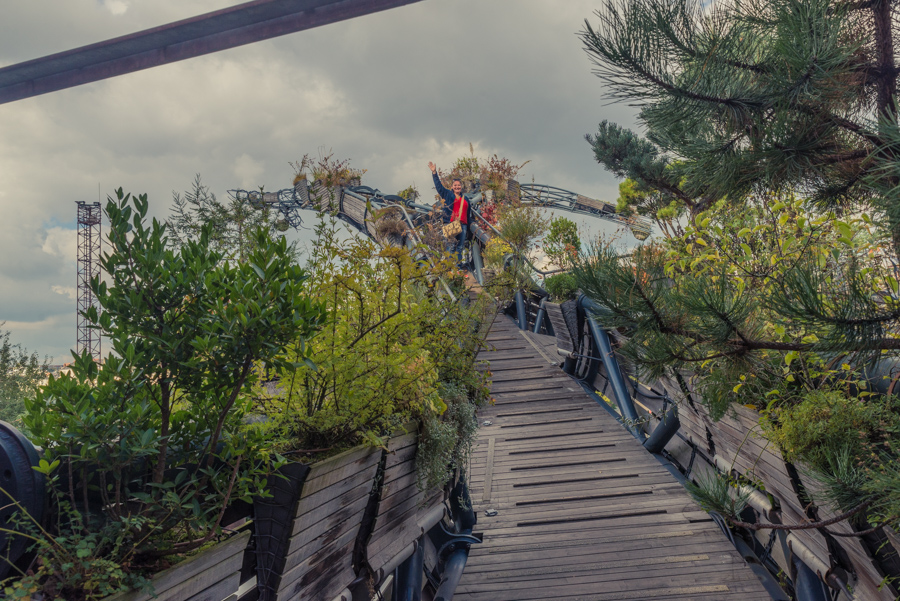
{"x":583,"y":511}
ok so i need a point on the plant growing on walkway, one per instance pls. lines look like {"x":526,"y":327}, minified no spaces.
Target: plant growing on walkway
{"x":146,"y":450}
{"x":389,"y":346}
{"x":741,"y":98}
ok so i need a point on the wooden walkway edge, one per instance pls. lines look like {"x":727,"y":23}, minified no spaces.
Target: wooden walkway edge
{"x":583,"y":511}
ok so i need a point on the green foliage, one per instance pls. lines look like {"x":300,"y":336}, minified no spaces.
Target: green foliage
{"x":828,"y":422}
{"x":561,"y":286}
{"x":76,"y":563}
{"x":446,"y":441}
{"x":494,"y":253}
{"x":409,"y":193}
{"x":20,"y":374}
{"x":646,"y":200}
{"x":156,"y":431}
{"x":715,"y":492}
{"x":388,"y":343}
{"x":521,"y":225}
{"x":753,"y":299}
{"x":562,"y":242}
{"x":230,"y":227}
{"x":749,"y":97}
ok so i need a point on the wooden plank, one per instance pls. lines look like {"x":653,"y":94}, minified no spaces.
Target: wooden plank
{"x":564,"y":476}
{"x":339,"y":552}
{"x":334,"y":491}
{"x":196,"y":574}
{"x":220,"y":590}
{"x":326,"y":517}
{"x":488,"y":478}
{"x":563,"y":337}
{"x":354,"y":208}
{"x":343,"y":464}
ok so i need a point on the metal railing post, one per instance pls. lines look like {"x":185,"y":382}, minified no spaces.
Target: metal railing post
{"x":664,"y":431}
{"x":539,"y":318}
{"x":521,"y":316}
{"x":409,"y":576}
{"x":613,"y":372}
{"x":478,"y":263}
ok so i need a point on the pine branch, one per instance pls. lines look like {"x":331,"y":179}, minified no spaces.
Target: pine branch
{"x":807,"y":526}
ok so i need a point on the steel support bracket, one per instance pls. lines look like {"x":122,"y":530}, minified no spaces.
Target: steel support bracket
{"x":446,"y":542}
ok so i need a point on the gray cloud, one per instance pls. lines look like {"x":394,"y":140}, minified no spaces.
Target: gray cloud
{"x":390,"y":91}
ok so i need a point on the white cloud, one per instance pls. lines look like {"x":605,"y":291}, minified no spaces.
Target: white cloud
{"x":61,"y":242}
{"x":390,"y":91}
{"x":116,"y":7}
{"x":248,"y":171}
{"x":67,"y":291}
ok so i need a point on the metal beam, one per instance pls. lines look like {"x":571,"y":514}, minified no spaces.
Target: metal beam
{"x":204,"y":34}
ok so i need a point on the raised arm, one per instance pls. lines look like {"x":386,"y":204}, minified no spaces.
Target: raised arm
{"x":441,"y":190}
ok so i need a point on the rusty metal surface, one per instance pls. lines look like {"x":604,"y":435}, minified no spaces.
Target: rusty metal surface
{"x":204,"y":34}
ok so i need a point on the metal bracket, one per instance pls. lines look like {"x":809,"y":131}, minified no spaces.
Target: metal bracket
{"x":446,"y":542}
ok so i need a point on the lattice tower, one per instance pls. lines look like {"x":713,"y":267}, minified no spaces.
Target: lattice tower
{"x":88,"y":267}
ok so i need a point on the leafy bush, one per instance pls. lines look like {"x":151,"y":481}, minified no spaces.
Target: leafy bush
{"x":826,"y":421}
{"x":446,"y":441}
{"x":561,"y":286}
{"x":389,"y":341}
{"x":562,"y":243}
{"x":155,"y":434}
{"x":521,"y":225}
{"x":494,"y":253}
{"x":20,"y":374}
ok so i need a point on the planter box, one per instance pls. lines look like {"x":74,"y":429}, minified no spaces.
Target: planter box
{"x":405,"y":513}
{"x":323,"y":533}
{"x":736,"y":442}
{"x":338,"y":525}
{"x":211,"y":575}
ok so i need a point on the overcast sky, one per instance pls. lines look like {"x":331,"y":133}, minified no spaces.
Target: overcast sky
{"x":389,"y":91}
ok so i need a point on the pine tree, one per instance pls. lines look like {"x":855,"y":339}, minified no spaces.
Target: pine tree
{"x":232,"y":225}
{"x":749,"y":96}
{"x":773,"y":125}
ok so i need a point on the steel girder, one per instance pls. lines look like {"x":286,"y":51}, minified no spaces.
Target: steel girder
{"x":204,"y":34}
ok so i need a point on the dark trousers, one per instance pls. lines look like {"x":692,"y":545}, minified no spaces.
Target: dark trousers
{"x":461,"y":243}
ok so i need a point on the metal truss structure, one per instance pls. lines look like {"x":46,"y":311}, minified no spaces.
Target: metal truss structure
{"x":287,"y":203}
{"x":87,"y":339}
{"x":557,"y":198}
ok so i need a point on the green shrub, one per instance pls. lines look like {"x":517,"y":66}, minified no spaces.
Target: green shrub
{"x":389,"y":343}
{"x":561,"y":287}
{"x":494,"y":252}
{"x":155,"y":433}
{"x":825,"y":422}
{"x":562,"y":243}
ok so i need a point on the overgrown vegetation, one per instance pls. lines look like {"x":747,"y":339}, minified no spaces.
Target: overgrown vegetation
{"x":393,"y":350}
{"x":145,"y":451}
{"x":562,"y":242}
{"x":20,"y":374}
{"x":230,"y":226}
{"x":561,"y":287}
{"x":770,"y":163}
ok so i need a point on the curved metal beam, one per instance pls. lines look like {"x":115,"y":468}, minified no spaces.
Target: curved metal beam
{"x":204,"y":34}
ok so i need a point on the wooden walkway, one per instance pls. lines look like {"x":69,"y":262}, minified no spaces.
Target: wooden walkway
{"x":583,"y":511}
